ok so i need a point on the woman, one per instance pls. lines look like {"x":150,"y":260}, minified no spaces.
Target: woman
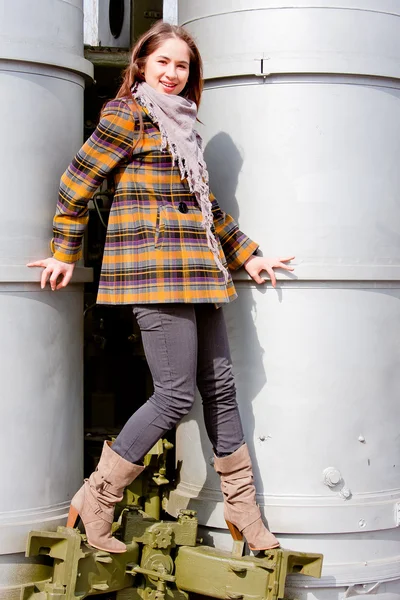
{"x":168,"y":252}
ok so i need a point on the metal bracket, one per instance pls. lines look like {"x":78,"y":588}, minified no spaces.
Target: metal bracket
{"x":246,"y":577}
{"x":150,"y":573}
{"x":263,"y":72}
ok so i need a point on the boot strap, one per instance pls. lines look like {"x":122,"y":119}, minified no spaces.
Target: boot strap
{"x":103,"y":485}
{"x":113,"y":489}
{"x":97,"y":508}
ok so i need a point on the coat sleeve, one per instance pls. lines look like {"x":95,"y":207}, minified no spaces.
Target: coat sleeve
{"x":236,"y":245}
{"x":110,"y":144}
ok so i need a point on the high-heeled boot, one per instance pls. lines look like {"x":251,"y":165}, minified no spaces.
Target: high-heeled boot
{"x":241,"y":512}
{"x":95,"y":501}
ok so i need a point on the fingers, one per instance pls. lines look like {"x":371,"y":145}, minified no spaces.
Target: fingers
{"x":38,"y":263}
{"x":257,"y":278}
{"x":255,"y":275}
{"x":283,"y":266}
{"x":65,"y":280}
{"x":45,"y":275}
{"x":258,"y":264}
{"x":52,"y":270}
{"x":53,"y":279}
{"x":271,"y":274}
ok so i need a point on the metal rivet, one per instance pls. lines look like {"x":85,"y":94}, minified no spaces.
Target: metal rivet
{"x":331,"y":476}
{"x":345,"y":493}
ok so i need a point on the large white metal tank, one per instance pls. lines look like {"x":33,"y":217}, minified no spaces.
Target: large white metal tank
{"x":302,"y":129}
{"x":42,"y":72}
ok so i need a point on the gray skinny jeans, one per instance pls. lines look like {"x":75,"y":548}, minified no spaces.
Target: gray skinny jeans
{"x":185,"y":345}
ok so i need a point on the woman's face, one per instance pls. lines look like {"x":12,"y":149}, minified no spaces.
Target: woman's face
{"x":167,"y":69}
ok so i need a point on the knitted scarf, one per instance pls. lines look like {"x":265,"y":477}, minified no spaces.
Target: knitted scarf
{"x":176,"y":117}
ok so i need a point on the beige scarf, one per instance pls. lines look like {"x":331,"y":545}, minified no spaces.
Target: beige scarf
{"x":176,"y":117}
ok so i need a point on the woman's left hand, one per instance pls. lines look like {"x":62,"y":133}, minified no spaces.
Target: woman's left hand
{"x":255,"y":264}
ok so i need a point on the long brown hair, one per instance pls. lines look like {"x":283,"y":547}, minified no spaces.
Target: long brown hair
{"x":147,"y":44}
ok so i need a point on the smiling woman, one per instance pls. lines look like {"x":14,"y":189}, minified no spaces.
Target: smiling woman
{"x":169,"y":252}
{"x":171,"y":44}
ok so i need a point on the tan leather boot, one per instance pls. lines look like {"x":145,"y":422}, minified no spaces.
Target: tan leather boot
{"x":242,"y":514}
{"x":95,"y":501}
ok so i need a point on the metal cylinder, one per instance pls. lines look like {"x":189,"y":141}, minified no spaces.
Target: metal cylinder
{"x":302,"y":120}
{"x":42,"y":72}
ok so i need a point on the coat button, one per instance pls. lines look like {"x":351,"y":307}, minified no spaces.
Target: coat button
{"x":183,"y":208}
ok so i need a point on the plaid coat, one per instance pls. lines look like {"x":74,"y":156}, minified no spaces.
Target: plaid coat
{"x":156,"y":248}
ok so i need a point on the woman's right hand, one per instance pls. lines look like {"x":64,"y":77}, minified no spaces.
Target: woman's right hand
{"x":53,"y":269}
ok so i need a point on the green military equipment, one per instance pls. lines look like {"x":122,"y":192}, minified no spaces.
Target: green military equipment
{"x":79,"y":570}
{"x":211,"y":572}
{"x":164,"y":560}
{"x":161,"y":534}
{"x":145,"y":490}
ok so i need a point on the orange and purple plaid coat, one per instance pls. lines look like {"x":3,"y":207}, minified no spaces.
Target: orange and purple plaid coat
{"x":156,"y":247}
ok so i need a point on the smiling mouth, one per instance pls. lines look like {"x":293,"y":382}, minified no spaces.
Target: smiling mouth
{"x":170,"y":86}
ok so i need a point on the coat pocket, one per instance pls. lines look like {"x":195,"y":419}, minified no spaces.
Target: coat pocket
{"x":176,"y":230}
